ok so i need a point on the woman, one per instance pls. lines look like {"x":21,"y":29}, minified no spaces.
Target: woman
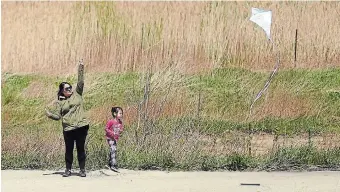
{"x":70,"y":109}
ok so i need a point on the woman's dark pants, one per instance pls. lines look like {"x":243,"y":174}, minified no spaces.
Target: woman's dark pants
{"x":79,"y":136}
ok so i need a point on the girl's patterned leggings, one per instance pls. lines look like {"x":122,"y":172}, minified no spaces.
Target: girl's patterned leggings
{"x":113,"y":152}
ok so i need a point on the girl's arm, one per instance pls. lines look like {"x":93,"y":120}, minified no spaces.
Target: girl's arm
{"x":108,"y":131}
{"x":80,"y":84}
{"x":53,"y":111}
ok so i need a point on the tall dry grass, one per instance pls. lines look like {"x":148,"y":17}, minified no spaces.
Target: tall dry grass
{"x":48,"y":37}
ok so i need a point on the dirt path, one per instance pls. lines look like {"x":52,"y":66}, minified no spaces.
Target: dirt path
{"x":158,"y":181}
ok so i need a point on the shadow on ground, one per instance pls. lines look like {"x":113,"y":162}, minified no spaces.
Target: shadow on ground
{"x":61,"y":173}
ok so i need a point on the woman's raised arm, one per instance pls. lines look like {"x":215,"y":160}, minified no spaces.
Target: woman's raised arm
{"x":80,"y":84}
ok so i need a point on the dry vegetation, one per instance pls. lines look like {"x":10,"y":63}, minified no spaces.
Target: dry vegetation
{"x":48,"y":37}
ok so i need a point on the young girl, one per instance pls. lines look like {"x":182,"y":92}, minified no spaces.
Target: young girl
{"x":113,"y":129}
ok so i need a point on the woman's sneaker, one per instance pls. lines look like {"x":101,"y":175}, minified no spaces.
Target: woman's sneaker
{"x":67,"y":173}
{"x":82,"y":173}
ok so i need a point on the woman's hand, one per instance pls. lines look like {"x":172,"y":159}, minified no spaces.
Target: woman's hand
{"x":51,"y":115}
{"x":80,"y":84}
{"x":47,"y":112}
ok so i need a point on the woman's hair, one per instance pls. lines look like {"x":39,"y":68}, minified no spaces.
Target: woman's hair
{"x":61,"y":89}
{"x":115,"y":110}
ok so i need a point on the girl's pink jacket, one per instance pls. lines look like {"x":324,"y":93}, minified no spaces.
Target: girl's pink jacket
{"x":113,"y":129}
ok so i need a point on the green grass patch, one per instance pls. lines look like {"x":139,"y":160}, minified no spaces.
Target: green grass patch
{"x":168,"y":143}
{"x":302,"y":158}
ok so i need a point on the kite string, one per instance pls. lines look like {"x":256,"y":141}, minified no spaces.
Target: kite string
{"x":276,"y":67}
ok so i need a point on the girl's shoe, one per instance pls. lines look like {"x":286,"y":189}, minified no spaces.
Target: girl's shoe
{"x":112,"y":168}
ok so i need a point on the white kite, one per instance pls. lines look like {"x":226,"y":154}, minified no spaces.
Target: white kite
{"x":263,"y":18}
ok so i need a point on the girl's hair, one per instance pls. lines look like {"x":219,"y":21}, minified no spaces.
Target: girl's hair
{"x":61,"y":88}
{"x":115,"y":110}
